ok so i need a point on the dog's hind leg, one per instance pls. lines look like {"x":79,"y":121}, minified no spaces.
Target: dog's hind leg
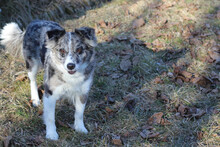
{"x":33,"y":67}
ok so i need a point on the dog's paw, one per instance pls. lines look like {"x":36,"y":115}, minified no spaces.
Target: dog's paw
{"x":81,"y":129}
{"x":52,"y":136}
{"x":36,"y":103}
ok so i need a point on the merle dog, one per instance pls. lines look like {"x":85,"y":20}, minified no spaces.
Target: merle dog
{"x":68,"y":59}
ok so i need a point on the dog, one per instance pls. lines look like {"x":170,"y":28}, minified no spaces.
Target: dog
{"x":68,"y":59}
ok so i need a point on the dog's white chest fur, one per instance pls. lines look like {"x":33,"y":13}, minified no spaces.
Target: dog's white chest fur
{"x":73,"y":85}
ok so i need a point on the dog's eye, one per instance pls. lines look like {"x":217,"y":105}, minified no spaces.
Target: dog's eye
{"x":62,"y":52}
{"x":79,"y":50}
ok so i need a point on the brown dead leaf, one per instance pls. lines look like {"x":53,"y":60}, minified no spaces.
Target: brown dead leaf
{"x":164,"y":98}
{"x":102,"y":24}
{"x":21,"y":77}
{"x":62,"y":123}
{"x":40,"y":112}
{"x":158,"y":80}
{"x":125,"y":65}
{"x":200,"y":135}
{"x":130,"y":101}
{"x":186,"y":74}
{"x":146,"y":134}
{"x":155,"y":118}
{"x":98,"y":30}
{"x":38,"y":140}
{"x":195,"y":41}
{"x":109,"y":110}
{"x":117,"y":141}
{"x":157,"y":43}
{"x":147,"y":127}
{"x":165,"y":122}
{"x":179,"y":81}
{"x":108,"y":38}
{"x":186,"y":111}
{"x":7,"y":141}
{"x":202,"y":81}
{"x":138,"y":23}
{"x":109,"y":25}
{"x":183,"y":109}
{"x":183,"y":79}
{"x":214,"y":55}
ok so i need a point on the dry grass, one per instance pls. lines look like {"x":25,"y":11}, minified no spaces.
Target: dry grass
{"x":165,"y":30}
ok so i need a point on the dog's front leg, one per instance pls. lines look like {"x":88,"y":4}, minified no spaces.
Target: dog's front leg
{"x":80,"y":103}
{"x":49,"y":117}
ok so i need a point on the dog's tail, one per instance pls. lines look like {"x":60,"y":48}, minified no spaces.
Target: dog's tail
{"x":12,"y":38}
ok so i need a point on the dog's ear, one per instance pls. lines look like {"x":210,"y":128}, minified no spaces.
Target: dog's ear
{"x":88,"y":35}
{"x":55,"y":34}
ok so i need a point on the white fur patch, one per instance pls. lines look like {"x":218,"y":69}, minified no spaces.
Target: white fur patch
{"x":49,"y":117}
{"x":12,"y":38}
{"x":34,"y":91}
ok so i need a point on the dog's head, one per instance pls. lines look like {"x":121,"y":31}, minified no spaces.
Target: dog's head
{"x":72,"y":51}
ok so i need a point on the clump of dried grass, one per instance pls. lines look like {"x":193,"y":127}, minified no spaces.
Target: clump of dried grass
{"x":23,"y":11}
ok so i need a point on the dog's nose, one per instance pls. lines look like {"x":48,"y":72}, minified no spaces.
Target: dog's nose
{"x":71,"y":66}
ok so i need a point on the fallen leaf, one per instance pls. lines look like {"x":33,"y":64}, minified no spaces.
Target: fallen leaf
{"x":186,"y":74}
{"x":164,"y":98}
{"x":21,"y":77}
{"x":102,"y":24}
{"x":183,"y":79}
{"x":130,"y":101}
{"x":7,"y":141}
{"x":138,"y":23}
{"x":98,"y":30}
{"x":146,"y":134}
{"x":186,"y":111}
{"x":157,"y":43}
{"x":183,"y":109}
{"x":158,"y":80}
{"x":197,"y":113}
{"x":195,"y":41}
{"x":109,"y":110}
{"x":147,"y":127}
{"x":117,"y":141}
{"x":38,"y":140}
{"x":202,"y":81}
{"x":179,"y":81}
{"x":125,"y":65}
{"x":40,"y":112}
{"x":165,"y":122}
{"x":61,"y":123}
{"x":155,"y":118}
{"x":200,"y":135}
{"x":214,"y":55}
